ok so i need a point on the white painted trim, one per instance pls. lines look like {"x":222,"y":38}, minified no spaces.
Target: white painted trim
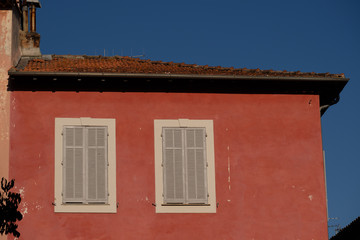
{"x":85,"y":208}
{"x":208,"y":124}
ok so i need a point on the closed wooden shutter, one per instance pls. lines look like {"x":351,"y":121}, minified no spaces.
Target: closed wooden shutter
{"x":184,"y":163}
{"x":73,"y":164}
{"x":195,"y":165}
{"x":85,"y":164}
{"x":173,"y":164}
{"x":96,"y":164}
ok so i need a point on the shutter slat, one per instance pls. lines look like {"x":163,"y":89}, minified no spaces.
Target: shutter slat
{"x":78,"y":173}
{"x":169,"y":184}
{"x":97,"y":164}
{"x":91,"y":172}
{"x":168,"y":138}
{"x":101,"y":165}
{"x":178,"y":141}
{"x":201,"y":175}
{"x":191,"y":174}
{"x":73,"y":164}
{"x":196,"y":165}
{"x":199,"y":138}
{"x":173,"y":163}
{"x":179,"y":174}
{"x":201,"y":192}
{"x":69,"y":173}
{"x":78,"y":138}
{"x":91,"y":137}
{"x":69,"y":136}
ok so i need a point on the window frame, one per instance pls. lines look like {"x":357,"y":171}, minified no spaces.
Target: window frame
{"x":210,"y":207}
{"x":110,"y":206}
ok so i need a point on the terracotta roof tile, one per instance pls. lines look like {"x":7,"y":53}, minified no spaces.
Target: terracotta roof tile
{"x":92,"y":64}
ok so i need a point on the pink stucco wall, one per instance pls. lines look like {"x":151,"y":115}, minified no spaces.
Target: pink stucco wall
{"x":268,"y":164}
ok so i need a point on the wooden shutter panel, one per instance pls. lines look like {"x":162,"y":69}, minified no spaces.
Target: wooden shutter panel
{"x":173,"y":164}
{"x":73,"y":164}
{"x":195,"y":165}
{"x":96,"y":164}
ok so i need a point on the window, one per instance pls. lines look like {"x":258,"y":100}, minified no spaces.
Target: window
{"x":184,"y":166}
{"x":85,"y":165}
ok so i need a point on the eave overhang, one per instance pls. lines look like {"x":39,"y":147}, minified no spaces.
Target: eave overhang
{"x":328,"y":88}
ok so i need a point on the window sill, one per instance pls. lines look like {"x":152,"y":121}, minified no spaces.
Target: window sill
{"x":85,"y":208}
{"x":84,"y":204}
{"x":185,"y":205}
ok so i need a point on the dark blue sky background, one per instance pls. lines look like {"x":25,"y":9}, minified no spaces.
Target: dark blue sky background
{"x":309,"y":35}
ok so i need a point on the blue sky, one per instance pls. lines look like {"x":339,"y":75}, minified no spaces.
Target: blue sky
{"x":309,"y":35}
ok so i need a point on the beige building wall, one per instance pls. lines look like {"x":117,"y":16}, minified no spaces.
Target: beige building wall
{"x":9,"y":55}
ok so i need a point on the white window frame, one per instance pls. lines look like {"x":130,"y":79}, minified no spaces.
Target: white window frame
{"x":110,"y":206}
{"x":159,"y":124}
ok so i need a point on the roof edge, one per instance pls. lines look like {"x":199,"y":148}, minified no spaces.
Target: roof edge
{"x":14,"y":73}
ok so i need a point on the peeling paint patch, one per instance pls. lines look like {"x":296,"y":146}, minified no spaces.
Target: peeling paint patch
{"x":38,"y":207}
{"x":143,"y":199}
{"x":24,"y":209}
{"x":22,"y":192}
{"x":310,"y":197}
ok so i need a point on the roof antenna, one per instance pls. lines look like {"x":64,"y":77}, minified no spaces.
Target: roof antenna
{"x":141,"y":55}
{"x":336,"y":226}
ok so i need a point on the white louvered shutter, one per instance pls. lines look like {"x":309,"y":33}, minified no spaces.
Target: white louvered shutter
{"x":96,"y":164}
{"x":195,"y":155}
{"x":173,"y":164}
{"x":73,"y":164}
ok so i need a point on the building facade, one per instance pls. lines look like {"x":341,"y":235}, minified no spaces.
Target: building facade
{"x":123,"y":148}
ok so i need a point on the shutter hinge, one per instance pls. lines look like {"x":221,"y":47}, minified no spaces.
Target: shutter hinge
{"x":162,"y":194}
{"x":108,"y":164}
{"x":108,"y":194}
{"x":207,"y":164}
{"x":62,"y":194}
{"x":161,"y":135}
{"x":208,"y":195}
{"x":62,"y":133}
{"x":162,"y":164}
{"x":62,"y":163}
{"x":205,"y":134}
{"x":107,"y":134}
